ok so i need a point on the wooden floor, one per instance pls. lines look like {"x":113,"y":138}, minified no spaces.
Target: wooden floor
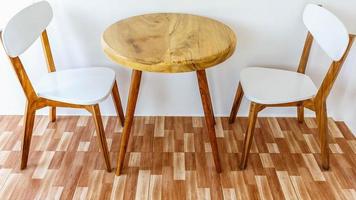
{"x":170,"y":158}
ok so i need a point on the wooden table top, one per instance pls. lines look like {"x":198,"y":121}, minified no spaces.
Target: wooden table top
{"x":168,"y":42}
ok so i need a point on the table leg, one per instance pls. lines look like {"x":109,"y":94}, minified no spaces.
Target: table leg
{"x":130,"y":111}
{"x":205,"y":97}
{"x":203,"y":76}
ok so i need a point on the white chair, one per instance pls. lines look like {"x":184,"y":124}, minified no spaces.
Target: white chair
{"x":75,"y":88}
{"x":268,"y":87}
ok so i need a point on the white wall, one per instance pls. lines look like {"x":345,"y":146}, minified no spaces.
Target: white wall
{"x":269,"y":32}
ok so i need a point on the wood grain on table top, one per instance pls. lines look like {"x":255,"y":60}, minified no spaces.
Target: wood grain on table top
{"x":168,"y":42}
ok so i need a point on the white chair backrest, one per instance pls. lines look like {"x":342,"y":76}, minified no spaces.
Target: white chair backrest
{"x":328,"y":31}
{"x":25,"y":27}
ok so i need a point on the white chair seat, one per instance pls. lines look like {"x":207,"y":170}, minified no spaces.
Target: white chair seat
{"x":84,"y":86}
{"x":275,"y":86}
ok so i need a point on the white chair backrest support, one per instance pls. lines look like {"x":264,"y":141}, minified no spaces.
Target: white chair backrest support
{"x":328,"y":31}
{"x":25,"y":27}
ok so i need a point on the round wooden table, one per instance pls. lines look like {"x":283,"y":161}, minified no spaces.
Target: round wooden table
{"x":168,"y":43}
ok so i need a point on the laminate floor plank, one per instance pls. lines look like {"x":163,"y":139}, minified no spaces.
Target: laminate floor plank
{"x":171,"y":158}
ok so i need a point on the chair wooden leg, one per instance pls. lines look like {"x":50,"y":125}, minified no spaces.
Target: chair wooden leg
{"x":29,"y":122}
{"x":322,"y":119}
{"x":236,"y":105}
{"x":117,"y":101}
{"x":95,"y":110}
{"x":130,"y":110}
{"x":52,"y":114}
{"x":300,"y":110}
{"x":254,"y":109}
{"x":204,"y":92}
